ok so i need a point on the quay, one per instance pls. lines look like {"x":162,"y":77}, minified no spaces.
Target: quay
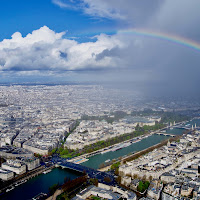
{"x":140,"y":153}
{"x":147,"y":150}
{"x":85,"y":157}
{"x":25,"y":177}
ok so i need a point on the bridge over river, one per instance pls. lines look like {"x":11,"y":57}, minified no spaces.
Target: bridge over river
{"x":92,"y":173}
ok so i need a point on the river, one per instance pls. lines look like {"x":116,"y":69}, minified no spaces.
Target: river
{"x":42,"y":182}
{"x":175,"y":131}
{"x":193,"y":122}
{"x":39,"y":184}
{"x":97,"y":160}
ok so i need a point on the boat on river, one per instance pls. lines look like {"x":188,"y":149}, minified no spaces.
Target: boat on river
{"x":135,"y":140}
{"x":39,"y":196}
{"x":47,"y":171}
{"x":10,"y":188}
{"x":106,"y":150}
{"x":118,"y":147}
{"x":21,"y":182}
{"x":127,"y":144}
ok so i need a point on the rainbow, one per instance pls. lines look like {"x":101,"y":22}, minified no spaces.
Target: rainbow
{"x":163,"y":36}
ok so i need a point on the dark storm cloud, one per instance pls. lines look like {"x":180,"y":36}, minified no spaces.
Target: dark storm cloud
{"x":108,"y":53}
{"x":153,"y":64}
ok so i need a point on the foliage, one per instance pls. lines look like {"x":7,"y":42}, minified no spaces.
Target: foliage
{"x":53,"y":188}
{"x":71,"y":184}
{"x":2,"y":160}
{"x":143,"y":186}
{"x":63,"y":196}
{"x":96,"y":198}
{"x":37,"y":155}
{"x":116,"y":116}
{"x":166,"y":117}
{"x":53,"y":151}
{"x":115,"y":166}
{"x":67,"y":179}
{"x":173,"y":116}
{"x":116,"y":172}
{"x":118,"y":179}
{"x":78,"y":185}
{"x":107,"y":179}
{"x":94,"y":181}
{"x":67,"y":153}
{"x":146,"y":112}
{"x":64,"y":152}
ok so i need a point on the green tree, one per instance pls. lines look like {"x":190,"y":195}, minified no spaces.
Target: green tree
{"x":140,"y":186}
{"x":53,"y":188}
{"x":107,"y":179}
{"x":143,"y":186}
{"x":94,"y":181}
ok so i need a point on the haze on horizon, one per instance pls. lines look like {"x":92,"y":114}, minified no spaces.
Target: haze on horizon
{"x":64,"y":40}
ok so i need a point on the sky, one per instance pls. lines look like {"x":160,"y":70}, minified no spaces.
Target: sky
{"x":152,"y":46}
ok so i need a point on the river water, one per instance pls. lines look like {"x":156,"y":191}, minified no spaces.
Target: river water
{"x":175,"y":131}
{"x":42,"y":182}
{"x":97,"y":160}
{"x":39,"y":184}
{"x":193,"y":122}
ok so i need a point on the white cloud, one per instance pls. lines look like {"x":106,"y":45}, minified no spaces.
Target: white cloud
{"x":44,"y":49}
{"x":61,"y":4}
{"x":103,"y":8}
{"x":133,"y":11}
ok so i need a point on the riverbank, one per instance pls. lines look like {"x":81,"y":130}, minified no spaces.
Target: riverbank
{"x":40,"y":184}
{"x":140,"y":153}
{"x":24,"y":177}
{"x":97,"y":146}
{"x":103,"y":160}
{"x":85,"y":157}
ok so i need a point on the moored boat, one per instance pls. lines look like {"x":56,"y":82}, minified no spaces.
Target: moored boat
{"x":21,"y":182}
{"x":47,"y":171}
{"x":10,"y":188}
